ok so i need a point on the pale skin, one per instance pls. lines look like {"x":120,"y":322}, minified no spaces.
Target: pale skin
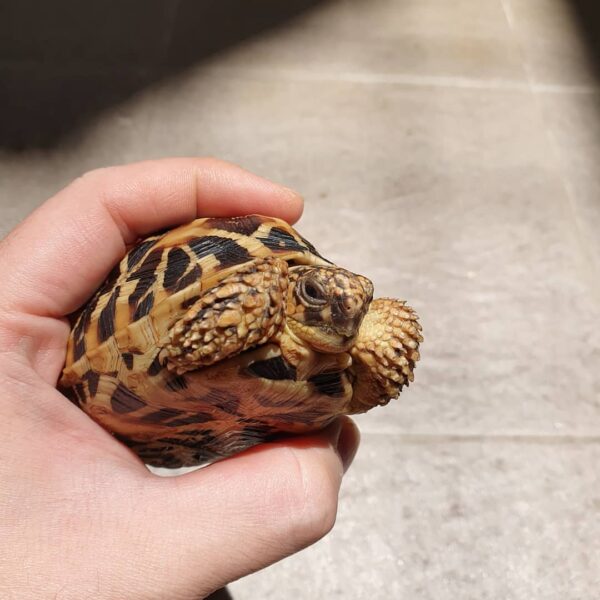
{"x":80,"y":515}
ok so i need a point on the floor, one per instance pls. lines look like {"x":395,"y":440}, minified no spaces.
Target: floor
{"x":449,"y":151}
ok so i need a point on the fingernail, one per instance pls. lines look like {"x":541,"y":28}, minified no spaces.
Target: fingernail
{"x":347,"y":442}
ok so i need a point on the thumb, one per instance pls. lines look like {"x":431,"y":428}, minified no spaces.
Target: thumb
{"x":242,"y":514}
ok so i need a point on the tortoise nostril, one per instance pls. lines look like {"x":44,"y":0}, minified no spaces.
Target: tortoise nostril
{"x":348,"y":305}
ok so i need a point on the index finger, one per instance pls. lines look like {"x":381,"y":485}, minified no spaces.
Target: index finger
{"x":58,"y":256}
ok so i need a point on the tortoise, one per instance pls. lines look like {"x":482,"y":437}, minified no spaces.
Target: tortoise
{"x":217,"y":335}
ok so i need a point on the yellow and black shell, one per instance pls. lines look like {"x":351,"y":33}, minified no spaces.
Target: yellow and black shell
{"x":221,"y":333}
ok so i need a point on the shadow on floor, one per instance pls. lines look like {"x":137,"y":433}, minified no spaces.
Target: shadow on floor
{"x":587,"y":13}
{"x":62,"y":62}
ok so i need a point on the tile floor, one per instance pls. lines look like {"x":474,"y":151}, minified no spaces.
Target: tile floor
{"x":450,"y":151}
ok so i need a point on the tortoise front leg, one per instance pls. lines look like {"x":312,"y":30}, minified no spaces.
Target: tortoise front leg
{"x":243,"y":310}
{"x":384,"y":353}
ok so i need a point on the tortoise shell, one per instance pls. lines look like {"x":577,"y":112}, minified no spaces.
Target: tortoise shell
{"x":224,"y":332}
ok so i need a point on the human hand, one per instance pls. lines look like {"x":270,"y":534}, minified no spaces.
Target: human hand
{"x":80,"y":515}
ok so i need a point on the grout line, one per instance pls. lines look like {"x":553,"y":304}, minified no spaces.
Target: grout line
{"x":502,"y":438}
{"x":404,"y":79}
{"x":552,"y":88}
{"x":364,"y":78}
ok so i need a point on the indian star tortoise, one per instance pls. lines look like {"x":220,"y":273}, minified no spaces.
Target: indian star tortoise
{"x":224,"y":332}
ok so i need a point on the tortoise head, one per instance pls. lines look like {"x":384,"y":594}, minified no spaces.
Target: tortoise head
{"x":326,"y":306}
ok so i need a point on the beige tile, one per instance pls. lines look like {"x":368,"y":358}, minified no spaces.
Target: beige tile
{"x":554,"y":48}
{"x":419,"y":37}
{"x":347,"y":140}
{"x":453,"y":520}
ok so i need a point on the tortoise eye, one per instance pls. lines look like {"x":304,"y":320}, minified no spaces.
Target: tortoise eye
{"x":312,"y":292}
